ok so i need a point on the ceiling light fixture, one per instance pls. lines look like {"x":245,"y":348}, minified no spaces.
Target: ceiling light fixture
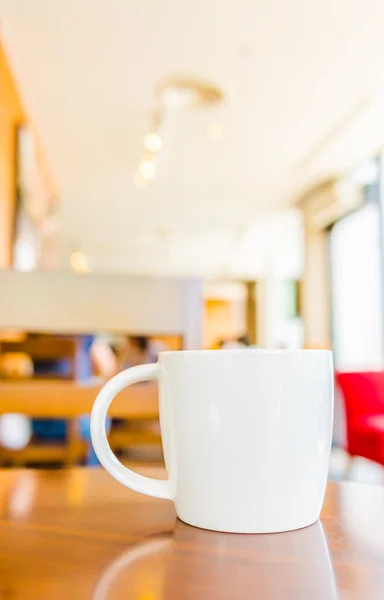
{"x":147,"y":167}
{"x":153,"y":141}
{"x":187,"y":93}
{"x":178,"y":93}
{"x":79,"y":263}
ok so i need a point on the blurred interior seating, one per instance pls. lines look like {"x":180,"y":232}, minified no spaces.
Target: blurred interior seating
{"x":55,"y":399}
{"x":363,"y":395}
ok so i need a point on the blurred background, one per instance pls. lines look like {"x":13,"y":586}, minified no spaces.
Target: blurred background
{"x":178,"y":175}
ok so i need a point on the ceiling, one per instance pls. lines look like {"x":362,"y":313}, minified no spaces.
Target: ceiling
{"x":303,"y":101}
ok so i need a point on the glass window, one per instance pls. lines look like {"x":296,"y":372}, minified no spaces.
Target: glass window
{"x":356,"y":290}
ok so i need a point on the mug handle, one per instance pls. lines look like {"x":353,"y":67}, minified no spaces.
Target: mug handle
{"x":145,"y":485}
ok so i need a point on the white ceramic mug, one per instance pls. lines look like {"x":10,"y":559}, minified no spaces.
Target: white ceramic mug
{"x":246,"y":436}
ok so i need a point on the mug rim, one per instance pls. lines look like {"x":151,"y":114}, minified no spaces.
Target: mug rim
{"x":253,"y":350}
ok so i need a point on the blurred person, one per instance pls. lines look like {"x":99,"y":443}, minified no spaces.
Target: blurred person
{"x":158,"y":346}
{"x":244,"y":339}
{"x":137,"y":350}
{"x":104,"y":358}
{"x":237,"y":344}
{"x":140,"y":350}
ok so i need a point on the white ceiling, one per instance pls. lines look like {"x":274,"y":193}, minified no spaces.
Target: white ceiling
{"x":303,"y":88}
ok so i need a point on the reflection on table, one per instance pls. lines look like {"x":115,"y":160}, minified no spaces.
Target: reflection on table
{"x":113,"y":543}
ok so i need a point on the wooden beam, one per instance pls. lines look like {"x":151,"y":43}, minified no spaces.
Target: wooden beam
{"x":68,"y":399}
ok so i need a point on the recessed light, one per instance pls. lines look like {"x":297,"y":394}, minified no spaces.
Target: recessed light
{"x":147,"y":168}
{"x":79,"y":262}
{"x":153,"y":142}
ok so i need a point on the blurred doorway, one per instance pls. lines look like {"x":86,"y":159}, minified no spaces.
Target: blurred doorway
{"x":224,"y":312}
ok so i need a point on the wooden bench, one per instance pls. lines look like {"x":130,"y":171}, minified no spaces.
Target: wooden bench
{"x":69,"y":400}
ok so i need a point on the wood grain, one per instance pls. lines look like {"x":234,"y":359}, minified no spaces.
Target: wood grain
{"x":79,"y":534}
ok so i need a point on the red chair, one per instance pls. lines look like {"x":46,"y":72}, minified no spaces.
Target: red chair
{"x":364,"y":411}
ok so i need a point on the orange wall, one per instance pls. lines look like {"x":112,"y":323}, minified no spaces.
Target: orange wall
{"x":11,"y":114}
{"x":223,"y":320}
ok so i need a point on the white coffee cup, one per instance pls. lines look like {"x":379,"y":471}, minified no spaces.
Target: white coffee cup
{"x":246,"y":436}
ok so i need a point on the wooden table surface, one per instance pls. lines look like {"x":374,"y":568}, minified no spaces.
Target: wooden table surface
{"x":78,"y":534}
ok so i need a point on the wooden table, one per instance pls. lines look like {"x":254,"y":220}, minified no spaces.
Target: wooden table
{"x":78,"y":534}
